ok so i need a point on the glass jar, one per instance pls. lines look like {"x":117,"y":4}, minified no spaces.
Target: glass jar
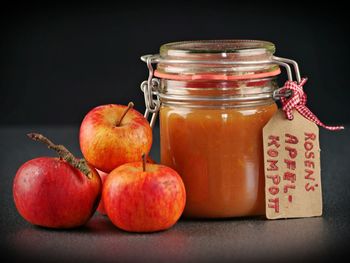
{"x":214,"y":98}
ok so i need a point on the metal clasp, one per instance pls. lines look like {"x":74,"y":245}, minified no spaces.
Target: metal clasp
{"x":284,"y":62}
{"x":149,"y":88}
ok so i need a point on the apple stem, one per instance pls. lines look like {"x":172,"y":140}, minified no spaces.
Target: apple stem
{"x":144,"y":160}
{"x":130,"y":106}
{"x":63,"y":153}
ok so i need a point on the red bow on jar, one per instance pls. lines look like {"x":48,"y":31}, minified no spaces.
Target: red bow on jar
{"x":298,"y":101}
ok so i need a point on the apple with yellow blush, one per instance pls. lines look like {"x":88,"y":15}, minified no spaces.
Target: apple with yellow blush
{"x":112,"y":135}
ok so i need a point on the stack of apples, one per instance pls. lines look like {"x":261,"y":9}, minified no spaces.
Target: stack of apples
{"x":136,"y":194}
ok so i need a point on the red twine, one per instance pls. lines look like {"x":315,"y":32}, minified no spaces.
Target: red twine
{"x":298,"y":101}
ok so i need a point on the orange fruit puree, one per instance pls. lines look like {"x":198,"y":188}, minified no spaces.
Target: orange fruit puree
{"x":218,"y":153}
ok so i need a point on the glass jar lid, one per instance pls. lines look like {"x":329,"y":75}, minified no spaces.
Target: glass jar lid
{"x":216,"y":59}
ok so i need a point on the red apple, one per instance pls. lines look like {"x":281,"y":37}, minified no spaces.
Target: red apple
{"x":141,"y":197}
{"x":111,"y":135}
{"x":101,"y":207}
{"x":51,"y":192}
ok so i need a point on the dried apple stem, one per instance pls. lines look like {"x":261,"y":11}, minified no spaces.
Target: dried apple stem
{"x":130,"y":106}
{"x":63,"y":153}
{"x":144,"y":160}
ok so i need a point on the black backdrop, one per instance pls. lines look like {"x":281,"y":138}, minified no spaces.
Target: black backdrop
{"x":59,"y":61}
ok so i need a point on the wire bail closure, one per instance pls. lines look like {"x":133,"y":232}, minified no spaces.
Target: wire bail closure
{"x":150,"y":89}
{"x":150,"y":86}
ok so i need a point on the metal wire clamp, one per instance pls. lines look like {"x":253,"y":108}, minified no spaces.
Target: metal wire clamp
{"x":150,"y":87}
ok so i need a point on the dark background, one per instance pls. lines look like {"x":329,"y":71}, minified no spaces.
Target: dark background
{"x":59,"y":61}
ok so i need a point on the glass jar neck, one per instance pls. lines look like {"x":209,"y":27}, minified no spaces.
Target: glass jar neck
{"x":217,"y":93}
{"x":218,"y":57}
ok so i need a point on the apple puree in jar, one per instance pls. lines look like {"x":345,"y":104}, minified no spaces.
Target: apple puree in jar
{"x":215,"y":98}
{"x":218,"y":153}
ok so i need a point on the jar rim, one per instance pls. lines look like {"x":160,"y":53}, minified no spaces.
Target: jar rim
{"x":216,"y":48}
{"x":218,"y":59}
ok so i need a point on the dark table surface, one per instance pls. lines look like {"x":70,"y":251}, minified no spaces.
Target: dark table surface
{"x":231,"y":240}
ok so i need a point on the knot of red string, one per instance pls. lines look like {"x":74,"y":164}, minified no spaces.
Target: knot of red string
{"x":298,"y":101}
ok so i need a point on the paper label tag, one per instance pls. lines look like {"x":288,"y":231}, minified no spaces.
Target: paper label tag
{"x":292,"y":167}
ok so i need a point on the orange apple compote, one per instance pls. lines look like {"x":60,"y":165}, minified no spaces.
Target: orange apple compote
{"x":218,"y":152}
